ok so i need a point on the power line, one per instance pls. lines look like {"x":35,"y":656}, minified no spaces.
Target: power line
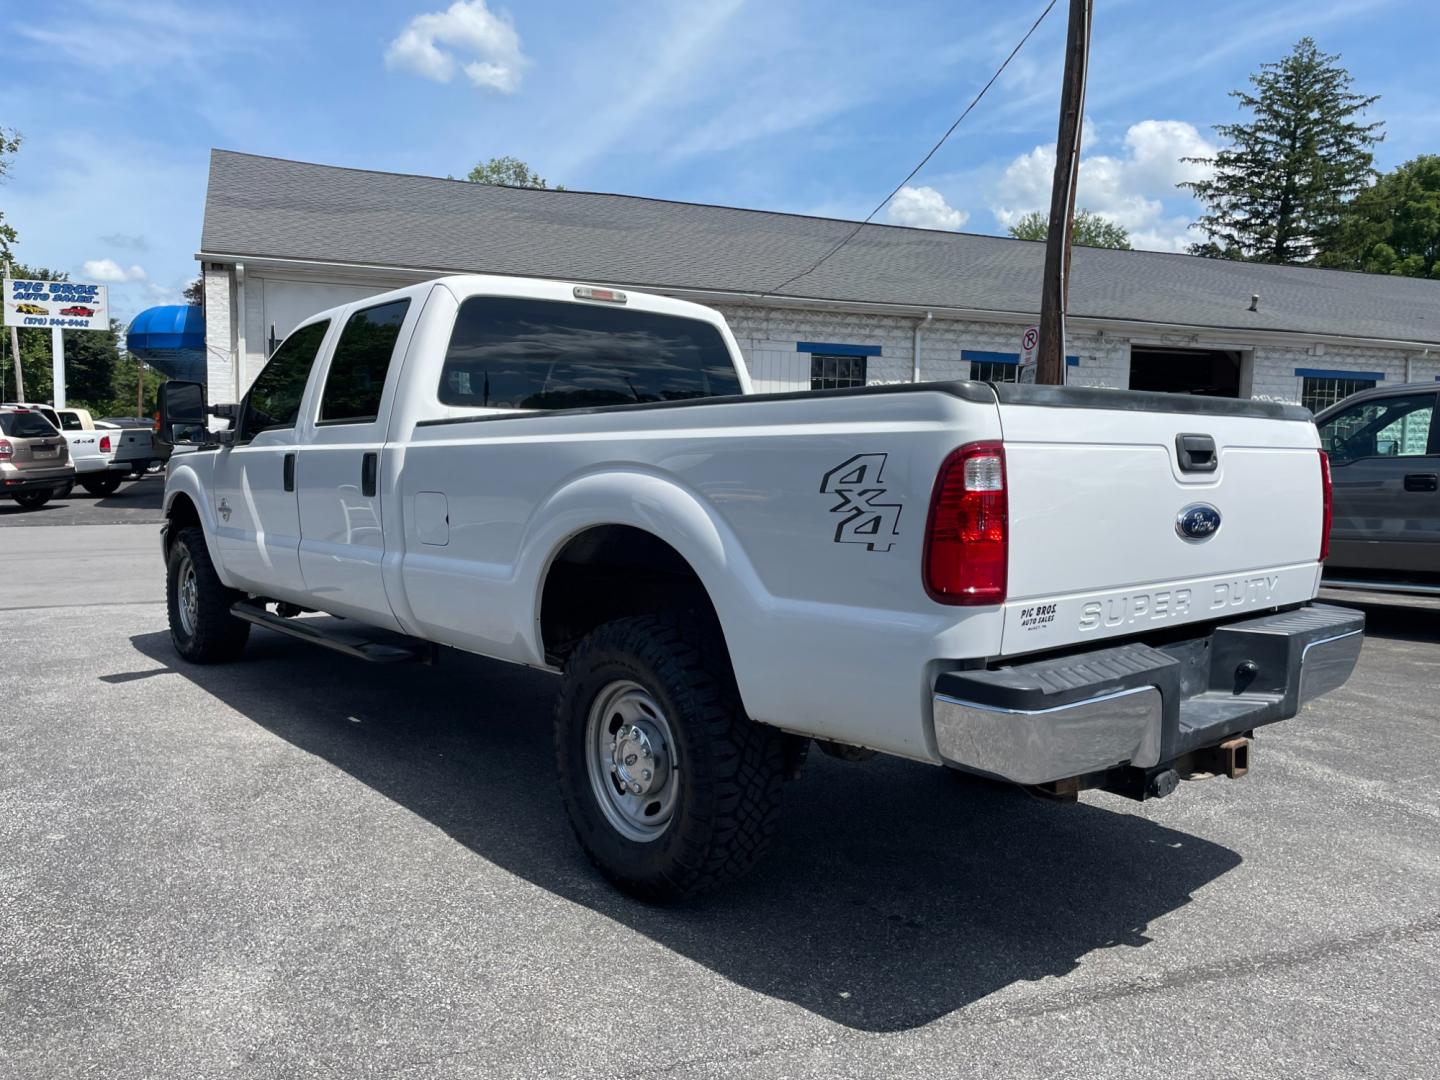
{"x":923,"y":161}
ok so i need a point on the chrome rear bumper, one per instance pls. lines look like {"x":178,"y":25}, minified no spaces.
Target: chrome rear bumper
{"x":1134,"y":705}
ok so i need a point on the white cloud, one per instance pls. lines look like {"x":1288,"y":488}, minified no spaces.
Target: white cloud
{"x":469,"y":29}
{"x":1135,"y":188}
{"x":924,"y":208}
{"x":108,"y":270}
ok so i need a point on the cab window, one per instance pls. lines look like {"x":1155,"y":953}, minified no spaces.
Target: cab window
{"x":274,"y":398}
{"x":514,"y":353}
{"x":1387,"y":427}
{"x":356,"y":379}
{"x":70,"y":421}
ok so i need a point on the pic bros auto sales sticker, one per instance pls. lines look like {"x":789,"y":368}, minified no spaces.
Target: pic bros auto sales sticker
{"x":68,"y":305}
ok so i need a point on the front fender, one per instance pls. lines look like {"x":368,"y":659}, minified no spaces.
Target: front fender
{"x":191,"y":479}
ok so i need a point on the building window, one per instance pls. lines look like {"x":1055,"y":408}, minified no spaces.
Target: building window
{"x":836,"y":372}
{"x":1322,"y":391}
{"x":994,"y":371}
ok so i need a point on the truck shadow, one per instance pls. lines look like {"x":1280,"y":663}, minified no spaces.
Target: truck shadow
{"x":895,"y":894}
{"x":1402,"y":619}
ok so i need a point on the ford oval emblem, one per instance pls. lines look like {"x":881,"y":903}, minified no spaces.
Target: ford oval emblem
{"x":1197,"y":523}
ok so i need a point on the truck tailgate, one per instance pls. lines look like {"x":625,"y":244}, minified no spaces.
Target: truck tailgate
{"x":1118,"y":527}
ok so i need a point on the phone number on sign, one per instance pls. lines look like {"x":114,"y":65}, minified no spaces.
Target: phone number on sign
{"x":64,"y":324}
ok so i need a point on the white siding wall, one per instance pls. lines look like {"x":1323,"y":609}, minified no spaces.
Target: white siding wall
{"x":768,"y":337}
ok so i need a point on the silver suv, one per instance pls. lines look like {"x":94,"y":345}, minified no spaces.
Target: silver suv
{"x":34,"y":458}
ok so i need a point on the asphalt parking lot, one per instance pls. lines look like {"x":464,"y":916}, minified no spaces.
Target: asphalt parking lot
{"x":303,"y":865}
{"x":135,"y":502}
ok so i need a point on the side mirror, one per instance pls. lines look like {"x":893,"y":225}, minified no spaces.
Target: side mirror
{"x":182,"y":414}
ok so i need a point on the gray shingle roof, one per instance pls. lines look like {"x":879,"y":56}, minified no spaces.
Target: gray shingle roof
{"x":267,"y":207}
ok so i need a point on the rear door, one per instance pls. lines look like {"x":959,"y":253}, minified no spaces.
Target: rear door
{"x":256,"y":511}
{"x":1134,"y":513}
{"x":1385,"y":464}
{"x":342,"y":544}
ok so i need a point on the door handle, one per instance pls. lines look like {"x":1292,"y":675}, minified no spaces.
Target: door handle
{"x":1417,"y":481}
{"x":369,"y":470}
{"x":290,"y":472}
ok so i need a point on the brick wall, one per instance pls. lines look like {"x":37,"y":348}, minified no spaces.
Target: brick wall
{"x":768,"y":336}
{"x":219,"y":336}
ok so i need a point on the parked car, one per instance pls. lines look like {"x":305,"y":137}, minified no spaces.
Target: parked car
{"x":1384,"y":447}
{"x":144,"y":453}
{"x":34,"y":458}
{"x":103,"y":454}
{"x":1060,"y":587}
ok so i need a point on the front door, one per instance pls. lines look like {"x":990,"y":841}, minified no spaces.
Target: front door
{"x":256,"y":514}
{"x":1385,"y":468}
{"x":342,"y":546}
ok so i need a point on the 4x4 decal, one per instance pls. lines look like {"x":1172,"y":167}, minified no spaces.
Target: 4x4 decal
{"x":866,"y":521}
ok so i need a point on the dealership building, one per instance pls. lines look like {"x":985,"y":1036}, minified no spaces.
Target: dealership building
{"x":284,"y":239}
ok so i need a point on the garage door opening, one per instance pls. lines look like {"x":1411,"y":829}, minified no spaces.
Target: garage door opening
{"x":1207,"y":372}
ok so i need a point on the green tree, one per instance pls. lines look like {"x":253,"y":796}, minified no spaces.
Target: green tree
{"x":508,"y":172}
{"x":91,"y":358}
{"x":1089,"y":230}
{"x":195,"y":292}
{"x":9,"y":144}
{"x":1278,"y":190}
{"x":1394,"y":226}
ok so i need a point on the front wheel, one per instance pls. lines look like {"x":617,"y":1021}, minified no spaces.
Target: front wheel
{"x":101,"y":486}
{"x":201,"y":626}
{"x":671,"y":789}
{"x":33,"y":499}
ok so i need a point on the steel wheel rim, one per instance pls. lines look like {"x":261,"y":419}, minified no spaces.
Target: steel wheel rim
{"x":625,"y":724}
{"x":189,"y":598}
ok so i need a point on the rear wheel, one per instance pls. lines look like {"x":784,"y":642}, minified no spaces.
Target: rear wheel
{"x":31,"y":499}
{"x":101,"y":486}
{"x":671,"y":789}
{"x":63,"y":491}
{"x":201,"y":626}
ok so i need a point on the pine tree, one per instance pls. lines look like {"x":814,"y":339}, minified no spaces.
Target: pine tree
{"x":1279,"y":188}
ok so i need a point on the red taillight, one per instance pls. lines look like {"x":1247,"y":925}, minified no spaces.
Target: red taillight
{"x":7,"y":450}
{"x":967,"y":536}
{"x":105,"y":444}
{"x":1327,"y":512}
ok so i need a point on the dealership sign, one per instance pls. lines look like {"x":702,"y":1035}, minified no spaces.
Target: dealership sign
{"x":56,"y":305}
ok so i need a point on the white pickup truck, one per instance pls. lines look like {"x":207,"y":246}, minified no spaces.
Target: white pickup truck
{"x":1064,"y":588}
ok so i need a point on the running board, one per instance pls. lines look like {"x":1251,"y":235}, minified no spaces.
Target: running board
{"x":1380,"y":586}
{"x":397,"y":649}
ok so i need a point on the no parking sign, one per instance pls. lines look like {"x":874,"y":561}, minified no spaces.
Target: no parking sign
{"x":1029,"y":342}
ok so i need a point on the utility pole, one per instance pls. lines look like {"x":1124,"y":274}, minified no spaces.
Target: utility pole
{"x":14,"y":350}
{"x":1055,"y":293}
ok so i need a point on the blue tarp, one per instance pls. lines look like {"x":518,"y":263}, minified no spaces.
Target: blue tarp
{"x":170,"y":339}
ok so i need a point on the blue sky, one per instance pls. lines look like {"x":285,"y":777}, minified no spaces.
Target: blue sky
{"x":798,"y":105}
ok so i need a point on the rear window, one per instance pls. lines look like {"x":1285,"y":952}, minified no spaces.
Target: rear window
{"x":510,"y":353}
{"x":26,"y":425}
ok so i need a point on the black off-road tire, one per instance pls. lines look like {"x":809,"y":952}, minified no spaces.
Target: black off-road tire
{"x":100,"y":486}
{"x":731,"y":769}
{"x":31,"y":500}
{"x":206,"y":633}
